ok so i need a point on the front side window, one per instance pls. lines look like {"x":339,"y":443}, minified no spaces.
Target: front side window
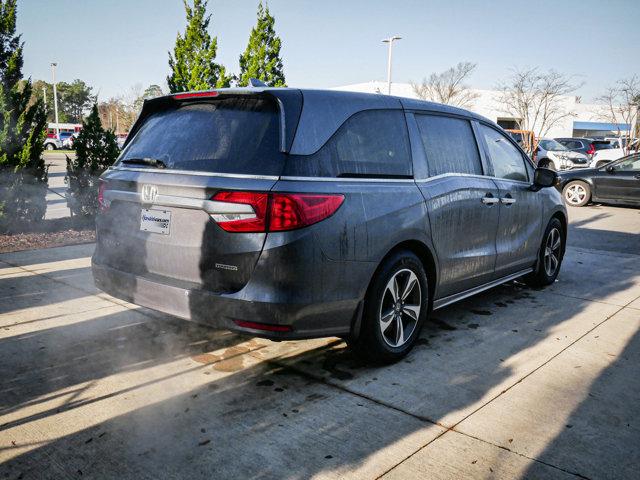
{"x":449,"y":144}
{"x":629,"y":164}
{"x":506,"y":159}
{"x":371,"y":143}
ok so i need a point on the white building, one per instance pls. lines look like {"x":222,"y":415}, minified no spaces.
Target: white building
{"x":586,"y":120}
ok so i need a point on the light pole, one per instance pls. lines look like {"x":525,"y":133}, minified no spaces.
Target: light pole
{"x":390,"y":41}
{"x":55,"y":98}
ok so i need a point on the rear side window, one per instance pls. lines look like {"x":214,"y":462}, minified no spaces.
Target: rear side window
{"x":602,"y":145}
{"x":371,"y":143}
{"x":449,"y":144}
{"x":232,"y":135}
{"x":507,"y":161}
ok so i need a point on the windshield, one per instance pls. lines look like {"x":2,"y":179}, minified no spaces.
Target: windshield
{"x":552,"y":145}
{"x":232,"y":135}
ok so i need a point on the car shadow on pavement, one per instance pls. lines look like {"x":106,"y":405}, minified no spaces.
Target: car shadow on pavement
{"x":601,"y":437}
{"x":281,"y":410}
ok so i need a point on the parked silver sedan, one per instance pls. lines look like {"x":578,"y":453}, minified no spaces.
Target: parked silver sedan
{"x":555,"y":156}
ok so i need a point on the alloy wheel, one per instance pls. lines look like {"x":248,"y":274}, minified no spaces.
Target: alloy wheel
{"x":552,"y":252}
{"x":575,"y":194}
{"x":400,"y":308}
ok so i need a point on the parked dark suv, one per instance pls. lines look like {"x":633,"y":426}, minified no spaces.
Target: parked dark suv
{"x":293,"y":214}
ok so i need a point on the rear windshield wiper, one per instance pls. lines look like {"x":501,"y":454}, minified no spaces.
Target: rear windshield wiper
{"x":154,"y":162}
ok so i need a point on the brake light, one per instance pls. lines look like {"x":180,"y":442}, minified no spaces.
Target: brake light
{"x":182,"y":96}
{"x":591,"y":150}
{"x":103,"y":205}
{"x":274,"y":212}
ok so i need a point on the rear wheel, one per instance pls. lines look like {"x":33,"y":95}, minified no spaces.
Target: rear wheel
{"x":549,"y":257}
{"x":50,"y":146}
{"x":395,"y":309}
{"x":576,"y":193}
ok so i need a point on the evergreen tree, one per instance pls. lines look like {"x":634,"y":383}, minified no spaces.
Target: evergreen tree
{"x":261,"y":59}
{"x":96,"y":150}
{"x":193,"y":65}
{"x":23,"y":175}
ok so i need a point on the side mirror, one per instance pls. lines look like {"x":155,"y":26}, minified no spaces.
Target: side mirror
{"x":610,"y":168}
{"x":543,"y":178}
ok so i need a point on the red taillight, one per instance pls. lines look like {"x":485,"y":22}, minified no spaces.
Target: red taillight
{"x":182,"y":96}
{"x":243,"y":221}
{"x":275,"y":212}
{"x":295,"y":210}
{"x":102,"y":204}
{"x":268,"y":327}
{"x":591,"y":150}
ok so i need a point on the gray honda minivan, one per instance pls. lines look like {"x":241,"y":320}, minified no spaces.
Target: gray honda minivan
{"x":291,"y":214}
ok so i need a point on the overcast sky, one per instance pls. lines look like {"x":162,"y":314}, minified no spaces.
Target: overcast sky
{"x":114,"y":44}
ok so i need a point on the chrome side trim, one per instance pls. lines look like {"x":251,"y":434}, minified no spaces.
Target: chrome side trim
{"x":468,"y":175}
{"x":347,"y":179}
{"x":195,"y":173}
{"x":443,"y":302}
{"x":208,"y":206}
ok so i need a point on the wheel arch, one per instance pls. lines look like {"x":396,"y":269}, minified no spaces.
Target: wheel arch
{"x":426,"y":257}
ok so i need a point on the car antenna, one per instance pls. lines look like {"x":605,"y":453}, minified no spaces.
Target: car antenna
{"x":255,"y":83}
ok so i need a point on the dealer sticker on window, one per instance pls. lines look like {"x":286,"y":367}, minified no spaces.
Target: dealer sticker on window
{"x":155,"y":221}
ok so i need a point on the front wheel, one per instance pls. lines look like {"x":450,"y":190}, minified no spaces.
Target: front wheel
{"x":50,"y":146}
{"x":395,"y":309}
{"x":576,"y":193}
{"x":549,"y":257}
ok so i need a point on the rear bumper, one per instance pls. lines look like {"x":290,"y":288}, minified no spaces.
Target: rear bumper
{"x":307,"y":320}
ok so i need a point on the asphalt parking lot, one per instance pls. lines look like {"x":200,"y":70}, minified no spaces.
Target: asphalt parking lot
{"x":513,"y":383}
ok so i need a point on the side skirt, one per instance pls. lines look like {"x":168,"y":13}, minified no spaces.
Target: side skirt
{"x":443,"y":302}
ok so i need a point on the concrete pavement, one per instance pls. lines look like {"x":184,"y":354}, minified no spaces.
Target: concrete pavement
{"x":56,"y":200}
{"x":513,"y":383}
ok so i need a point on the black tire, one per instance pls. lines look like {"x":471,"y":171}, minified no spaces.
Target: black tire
{"x":541,"y":276}
{"x":50,"y":146}
{"x":576,"y":193}
{"x":375,"y":345}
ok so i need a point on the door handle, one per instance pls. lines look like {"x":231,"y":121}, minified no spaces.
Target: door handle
{"x":508,"y":199}
{"x":489,"y":199}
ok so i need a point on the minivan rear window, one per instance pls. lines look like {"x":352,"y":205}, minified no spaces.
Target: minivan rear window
{"x":229,"y":135}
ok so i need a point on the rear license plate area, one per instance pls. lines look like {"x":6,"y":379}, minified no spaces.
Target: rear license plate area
{"x":155,"y":221}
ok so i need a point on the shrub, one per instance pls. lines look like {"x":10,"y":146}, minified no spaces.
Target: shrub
{"x":96,"y":150}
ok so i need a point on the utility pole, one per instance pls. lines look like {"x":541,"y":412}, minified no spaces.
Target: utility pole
{"x":55,"y":98}
{"x":390,"y":41}
{"x":44,"y":97}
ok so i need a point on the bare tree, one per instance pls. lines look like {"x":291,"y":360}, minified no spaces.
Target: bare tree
{"x":537,"y":100}
{"x":621,"y":103}
{"x":448,"y":87}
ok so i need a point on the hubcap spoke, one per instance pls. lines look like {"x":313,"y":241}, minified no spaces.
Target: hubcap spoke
{"x":411,"y":283}
{"x":386,"y":320}
{"x":399,"y":331}
{"x":412,"y":311}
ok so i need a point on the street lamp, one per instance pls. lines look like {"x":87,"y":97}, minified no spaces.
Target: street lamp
{"x":55,"y":98}
{"x":390,"y":41}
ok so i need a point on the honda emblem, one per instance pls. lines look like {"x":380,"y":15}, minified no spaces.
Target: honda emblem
{"x":149,"y":193}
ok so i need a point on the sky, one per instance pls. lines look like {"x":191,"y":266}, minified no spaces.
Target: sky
{"x":116,"y":44}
